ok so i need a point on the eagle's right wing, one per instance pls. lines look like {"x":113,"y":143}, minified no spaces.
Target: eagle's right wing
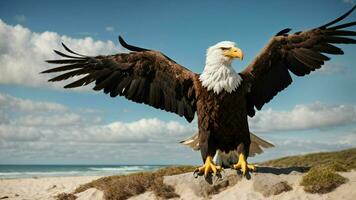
{"x":143,"y":76}
{"x":299,"y":53}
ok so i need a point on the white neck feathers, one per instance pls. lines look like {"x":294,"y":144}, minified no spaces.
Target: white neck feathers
{"x":218,"y":74}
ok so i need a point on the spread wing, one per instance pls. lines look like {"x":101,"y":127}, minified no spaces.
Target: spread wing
{"x":299,"y":53}
{"x":143,"y":76}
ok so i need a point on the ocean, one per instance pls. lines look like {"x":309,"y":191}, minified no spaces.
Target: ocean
{"x":32,"y":171}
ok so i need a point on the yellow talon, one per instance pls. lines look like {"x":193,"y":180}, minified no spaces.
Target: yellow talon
{"x":243,"y":165}
{"x":208,"y":166}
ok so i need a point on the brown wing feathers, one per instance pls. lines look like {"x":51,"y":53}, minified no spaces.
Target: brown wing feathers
{"x":300,"y":53}
{"x":143,"y":76}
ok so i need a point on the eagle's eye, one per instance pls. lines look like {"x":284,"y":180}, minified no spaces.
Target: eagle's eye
{"x":225,"y":48}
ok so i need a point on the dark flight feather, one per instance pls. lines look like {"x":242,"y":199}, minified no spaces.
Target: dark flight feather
{"x":67,"y":56}
{"x":340,"y":40}
{"x":343,"y":26}
{"x":64,"y":68}
{"x":130,"y":47}
{"x":340,"y":32}
{"x":283,"y":32}
{"x":69,"y":50}
{"x":328,"y":48}
{"x":70,"y":74}
{"x":338,"y":19}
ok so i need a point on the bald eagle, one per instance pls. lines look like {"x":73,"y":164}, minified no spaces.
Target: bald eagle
{"x":221,"y":97}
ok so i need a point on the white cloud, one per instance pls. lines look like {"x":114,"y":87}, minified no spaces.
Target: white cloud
{"x":58,"y":134}
{"x":4,"y":118}
{"x":13,"y":103}
{"x":332,"y":68}
{"x":302,"y":117}
{"x":23,"y":54}
{"x":109,"y":29}
{"x":55,"y":122}
{"x":308,"y":141}
{"x":66,"y":119}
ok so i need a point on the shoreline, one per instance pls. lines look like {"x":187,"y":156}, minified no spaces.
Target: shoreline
{"x":37,"y":171}
{"x":54,"y":177}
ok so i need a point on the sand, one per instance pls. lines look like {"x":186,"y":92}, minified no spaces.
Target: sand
{"x":244,"y":189}
{"x":46,"y":188}
{"x":185,"y":185}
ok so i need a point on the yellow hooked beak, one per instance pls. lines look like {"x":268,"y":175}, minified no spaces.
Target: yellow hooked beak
{"x":234,"y":53}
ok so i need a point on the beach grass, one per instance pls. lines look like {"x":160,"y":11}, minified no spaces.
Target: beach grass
{"x":322,"y":179}
{"x":124,"y":186}
{"x":66,"y":196}
{"x":322,"y":176}
{"x":342,"y":160}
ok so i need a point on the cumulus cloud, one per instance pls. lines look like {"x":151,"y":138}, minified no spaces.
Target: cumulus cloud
{"x":303,"y":117}
{"x":48,"y":132}
{"x":55,"y":122}
{"x":143,"y":130}
{"x":23,"y":53}
{"x":58,"y":120}
{"x":299,"y":143}
{"x":13,"y":103}
{"x":332,"y":68}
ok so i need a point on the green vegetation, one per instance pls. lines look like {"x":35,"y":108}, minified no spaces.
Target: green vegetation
{"x":342,"y":160}
{"x":321,"y":179}
{"x":322,"y":176}
{"x":124,"y":186}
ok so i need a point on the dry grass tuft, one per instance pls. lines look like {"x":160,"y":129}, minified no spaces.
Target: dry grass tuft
{"x":322,"y":179}
{"x":66,"y":196}
{"x":124,"y":186}
{"x":322,"y":176}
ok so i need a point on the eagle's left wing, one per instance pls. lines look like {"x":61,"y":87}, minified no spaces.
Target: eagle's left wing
{"x":300,"y":53}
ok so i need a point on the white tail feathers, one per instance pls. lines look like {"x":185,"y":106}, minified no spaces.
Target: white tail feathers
{"x":226,"y":159}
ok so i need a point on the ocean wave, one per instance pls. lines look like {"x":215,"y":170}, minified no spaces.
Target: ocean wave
{"x":55,"y":171}
{"x":38,"y":173}
{"x":121,"y":168}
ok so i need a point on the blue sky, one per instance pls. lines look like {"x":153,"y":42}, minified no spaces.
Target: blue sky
{"x":182,"y":31}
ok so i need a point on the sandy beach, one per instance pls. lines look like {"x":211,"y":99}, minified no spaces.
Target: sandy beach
{"x":185,"y":185}
{"x":45,"y":188}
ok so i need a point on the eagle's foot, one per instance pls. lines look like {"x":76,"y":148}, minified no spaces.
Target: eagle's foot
{"x":208,"y":167}
{"x":243,"y":165}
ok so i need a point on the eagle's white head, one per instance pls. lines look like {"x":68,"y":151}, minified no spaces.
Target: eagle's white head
{"x":218,"y":74}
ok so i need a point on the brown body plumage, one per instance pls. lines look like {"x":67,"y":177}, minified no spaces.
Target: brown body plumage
{"x":222,"y":121}
{"x":150,"y":77}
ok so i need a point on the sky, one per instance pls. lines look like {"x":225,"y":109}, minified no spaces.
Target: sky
{"x":41,"y":123}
